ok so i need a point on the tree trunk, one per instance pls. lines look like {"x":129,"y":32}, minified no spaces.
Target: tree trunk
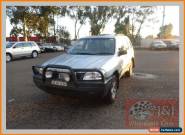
{"x":54,"y":25}
{"x":24,"y":30}
{"x":75,"y":28}
{"x":79,"y":31}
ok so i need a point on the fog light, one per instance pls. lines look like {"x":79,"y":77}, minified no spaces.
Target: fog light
{"x":48,"y":74}
{"x":64,"y":76}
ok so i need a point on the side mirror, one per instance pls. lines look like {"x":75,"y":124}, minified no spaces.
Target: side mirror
{"x":14,"y":47}
{"x":122,"y":52}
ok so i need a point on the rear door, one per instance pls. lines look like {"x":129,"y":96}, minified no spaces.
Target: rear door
{"x":28,"y":47}
{"x":18,"y":49}
{"x":126,"y":58}
{"x":130,"y":50}
{"x":122,"y":46}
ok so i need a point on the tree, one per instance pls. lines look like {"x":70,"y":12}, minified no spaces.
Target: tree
{"x":64,"y":36}
{"x":77,"y":13}
{"x":15,"y":31}
{"x":44,"y":20}
{"x":20,"y":15}
{"x":47,"y":18}
{"x":54,"y":11}
{"x":123,"y":27}
{"x":98,"y":16}
{"x":139,"y":15}
{"x":165,"y":31}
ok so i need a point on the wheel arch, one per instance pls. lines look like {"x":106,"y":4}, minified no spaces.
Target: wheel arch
{"x":116,"y":73}
{"x":133,"y":62}
{"x":9,"y":54}
{"x":34,"y":51}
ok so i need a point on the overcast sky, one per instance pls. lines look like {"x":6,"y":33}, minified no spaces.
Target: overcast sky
{"x":171,"y":16}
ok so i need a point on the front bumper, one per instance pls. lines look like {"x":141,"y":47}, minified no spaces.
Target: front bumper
{"x":74,"y":87}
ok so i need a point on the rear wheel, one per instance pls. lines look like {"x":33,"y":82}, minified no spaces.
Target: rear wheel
{"x":34,"y":54}
{"x":8,"y":57}
{"x":112,"y":93}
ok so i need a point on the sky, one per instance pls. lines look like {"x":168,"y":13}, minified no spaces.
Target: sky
{"x":149,"y":28}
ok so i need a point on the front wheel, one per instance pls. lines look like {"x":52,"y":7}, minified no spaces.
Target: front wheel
{"x":8,"y":57}
{"x":112,"y":93}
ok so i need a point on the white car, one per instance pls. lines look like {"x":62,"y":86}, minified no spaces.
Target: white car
{"x":21,"y":49}
{"x":158,"y":44}
{"x":171,"y":44}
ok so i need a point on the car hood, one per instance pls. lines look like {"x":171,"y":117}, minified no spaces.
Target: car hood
{"x":80,"y":61}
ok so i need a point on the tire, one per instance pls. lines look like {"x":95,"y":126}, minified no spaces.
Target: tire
{"x":34,"y":54}
{"x":112,"y":93}
{"x":8,"y":57}
{"x":129,"y":73}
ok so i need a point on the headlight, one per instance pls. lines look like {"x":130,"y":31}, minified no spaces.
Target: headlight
{"x":92,"y":76}
{"x":38,"y":70}
{"x":48,"y":74}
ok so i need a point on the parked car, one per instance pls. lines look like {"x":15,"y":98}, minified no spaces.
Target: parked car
{"x":42,"y":48}
{"x":93,"y":66}
{"x":21,"y":49}
{"x":67,"y":47}
{"x":158,"y":44}
{"x":49,"y":47}
{"x":59,"y":47}
{"x":171,"y":44}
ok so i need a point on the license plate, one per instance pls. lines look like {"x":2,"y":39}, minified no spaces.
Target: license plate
{"x":58,"y":83}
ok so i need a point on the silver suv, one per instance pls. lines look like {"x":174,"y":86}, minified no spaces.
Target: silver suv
{"x":93,"y":66}
{"x":20,"y":49}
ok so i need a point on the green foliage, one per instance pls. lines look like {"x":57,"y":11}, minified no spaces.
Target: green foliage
{"x":20,"y":15}
{"x":165,"y":31}
{"x":15,"y":31}
{"x":33,"y":19}
{"x":77,"y":13}
{"x":123,"y":27}
{"x":129,"y":17}
{"x":39,"y":20}
{"x":64,"y":36}
{"x":98,"y":16}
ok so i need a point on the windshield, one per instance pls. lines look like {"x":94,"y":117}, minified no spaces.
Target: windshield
{"x":93,"y":46}
{"x":8,"y":45}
